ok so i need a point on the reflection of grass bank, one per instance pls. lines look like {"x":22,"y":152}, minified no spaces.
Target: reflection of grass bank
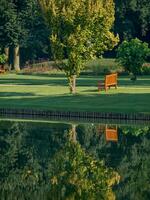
{"x":51,"y":92}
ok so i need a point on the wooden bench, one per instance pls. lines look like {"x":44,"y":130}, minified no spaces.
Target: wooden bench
{"x":110,"y":80}
{"x":111,"y":133}
{"x":2,"y":70}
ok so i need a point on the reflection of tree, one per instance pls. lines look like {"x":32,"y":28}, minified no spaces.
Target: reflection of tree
{"x":38,"y":161}
{"x":76,"y":175}
{"x":24,"y":169}
{"x":129,"y":157}
{"x":25,"y":152}
{"x":134,"y":165}
{"x":89,"y":137}
{"x":19,"y":168}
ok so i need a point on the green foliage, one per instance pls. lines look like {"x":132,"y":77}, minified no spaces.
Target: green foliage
{"x":24,"y":158}
{"x":132,"y":55}
{"x":134,"y":163}
{"x":79,"y":30}
{"x":39,"y":160}
{"x":135,"y":131}
{"x":36,"y":43}
{"x":103,"y":66}
{"x":146,"y":69}
{"x":132,"y":19}
{"x":11,"y":24}
{"x":22,"y":24}
{"x":2,"y":58}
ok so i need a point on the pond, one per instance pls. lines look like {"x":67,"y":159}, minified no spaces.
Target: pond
{"x":74,"y":161}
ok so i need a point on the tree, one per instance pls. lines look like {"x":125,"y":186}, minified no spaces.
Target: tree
{"x":24,"y":158}
{"x":22,"y":31}
{"x":35,"y":43}
{"x":132,"y":55}
{"x":12,"y":30}
{"x":8,"y":25}
{"x":54,"y":163}
{"x":79,"y":30}
{"x":132,"y":19}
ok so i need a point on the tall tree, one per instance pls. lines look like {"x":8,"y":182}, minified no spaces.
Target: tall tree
{"x":22,"y":28}
{"x":132,"y":19}
{"x":37,"y":40}
{"x":10,"y":28}
{"x":79,"y":30}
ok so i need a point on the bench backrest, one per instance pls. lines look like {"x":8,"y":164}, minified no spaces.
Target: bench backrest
{"x":111,"y":79}
{"x":111,"y":134}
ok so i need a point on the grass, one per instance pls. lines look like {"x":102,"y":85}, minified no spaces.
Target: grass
{"x":51,"y":92}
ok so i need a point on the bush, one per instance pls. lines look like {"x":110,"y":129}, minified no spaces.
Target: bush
{"x":132,"y":55}
{"x":2,"y":59}
{"x":146,"y":69}
{"x":103,"y":66}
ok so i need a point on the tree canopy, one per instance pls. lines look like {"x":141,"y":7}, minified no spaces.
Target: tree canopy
{"x":79,"y":30}
{"x":132,"y":55}
{"x":132,"y":19}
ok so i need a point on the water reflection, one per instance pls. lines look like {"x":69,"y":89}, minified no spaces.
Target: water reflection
{"x":110,"y":131}
{"x":74,"y":161}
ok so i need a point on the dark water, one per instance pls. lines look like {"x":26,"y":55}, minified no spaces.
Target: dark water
{"x":61,"y":161}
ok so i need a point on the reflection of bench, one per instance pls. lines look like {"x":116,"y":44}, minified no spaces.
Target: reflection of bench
{"x":2,"y":70}
{"x":110,"y":80}
{"x":111,"y":134}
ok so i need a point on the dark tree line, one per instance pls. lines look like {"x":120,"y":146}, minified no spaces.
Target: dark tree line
{"x":24,"y":33}
{"x":132,"y":19}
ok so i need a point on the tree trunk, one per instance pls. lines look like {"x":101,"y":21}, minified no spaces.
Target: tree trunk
{"x":16,"y":59}
{"x":72,"y":84}
{"x":6,"y":65}
{"x":73,"y":136}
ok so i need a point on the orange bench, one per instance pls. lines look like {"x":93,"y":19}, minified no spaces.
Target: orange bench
{"x":111,"y":134}
{"x":2,"y":70}
{"x":110,"y":80}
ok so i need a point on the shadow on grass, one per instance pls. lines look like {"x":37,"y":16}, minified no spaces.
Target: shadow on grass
{"x":13,"y":94}
{"x":49,"y":82}
{"x":121,"y":102}
{"x":46,"y":75}
{"x":141,"y":82}
{"x":89,"y":90}
{"x":56,"y":80}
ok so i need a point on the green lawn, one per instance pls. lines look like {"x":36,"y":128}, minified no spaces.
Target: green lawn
{"x":51,"y":92}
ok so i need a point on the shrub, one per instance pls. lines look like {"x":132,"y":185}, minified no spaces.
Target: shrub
{"x":146,"y":69}
{"x":103,"y":66}
{"x":132,"y":55}
{"x":2,"y":59}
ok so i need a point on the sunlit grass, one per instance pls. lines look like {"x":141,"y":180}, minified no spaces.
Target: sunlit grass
{"x":51,"y":92}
